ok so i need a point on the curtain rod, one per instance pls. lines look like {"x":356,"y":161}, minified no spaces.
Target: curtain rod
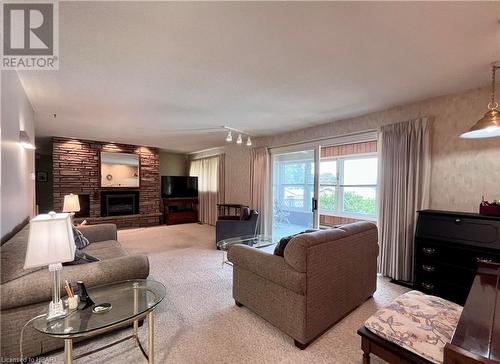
{"x":283,"y":145}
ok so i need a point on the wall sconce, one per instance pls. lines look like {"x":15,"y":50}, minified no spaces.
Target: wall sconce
{"x":25,"y":141}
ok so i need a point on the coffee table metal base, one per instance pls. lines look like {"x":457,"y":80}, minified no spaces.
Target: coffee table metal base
{"x":68,"y":343}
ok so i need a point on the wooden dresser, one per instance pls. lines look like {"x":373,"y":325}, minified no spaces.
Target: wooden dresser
{"x":448,"y":248}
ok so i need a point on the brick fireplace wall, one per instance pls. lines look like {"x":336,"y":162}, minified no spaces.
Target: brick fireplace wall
{"x":77,"y":170}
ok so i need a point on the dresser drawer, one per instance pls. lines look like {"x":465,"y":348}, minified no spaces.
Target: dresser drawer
{"x":447,"y":291}
{"x":432,"y":272}
{"x":429,"y":252}
{"x":476,"y":232}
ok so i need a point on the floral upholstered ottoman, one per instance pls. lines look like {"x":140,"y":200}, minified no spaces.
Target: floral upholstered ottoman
{"x":418,"y":322}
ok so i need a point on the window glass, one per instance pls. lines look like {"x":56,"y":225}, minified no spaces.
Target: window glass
{"x":293,"y":197}
{"x":327,"y":198}
{"x":328,"y":173}
{"x":359,"y":200}
{"x":362,"y":171}
{"x":294,"y":173}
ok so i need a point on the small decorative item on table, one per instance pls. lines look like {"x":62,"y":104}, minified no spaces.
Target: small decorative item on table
{"x":85,"y":300}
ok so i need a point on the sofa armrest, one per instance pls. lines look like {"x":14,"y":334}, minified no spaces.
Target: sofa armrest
{"x":37,"y":287}
{"x":100,"y":232}
{"x":268,"y":266}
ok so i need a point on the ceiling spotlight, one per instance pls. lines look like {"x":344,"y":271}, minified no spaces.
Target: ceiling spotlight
{"x":249,"y":142}
{"x":229,"y":137}
{"x":239,"y":140}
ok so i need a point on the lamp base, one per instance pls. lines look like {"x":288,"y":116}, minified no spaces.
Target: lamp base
{"x":56,"y":310}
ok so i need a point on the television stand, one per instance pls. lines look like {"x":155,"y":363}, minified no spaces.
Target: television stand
{"x":180,"y":210}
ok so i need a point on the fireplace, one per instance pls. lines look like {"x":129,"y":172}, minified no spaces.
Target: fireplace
{"x":117,"y":203}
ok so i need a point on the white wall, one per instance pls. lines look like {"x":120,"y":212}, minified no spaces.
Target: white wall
{"x":173,"y":164}
{"x":18,"y":164}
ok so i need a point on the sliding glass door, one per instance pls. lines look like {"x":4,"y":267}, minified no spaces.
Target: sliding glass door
{"x":293,"y":192}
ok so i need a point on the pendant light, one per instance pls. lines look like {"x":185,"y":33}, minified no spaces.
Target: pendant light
{"x":489,"y":125}
{"x":229,"y":137}
{"x":239,"y":140}
{"x":249,"y":142}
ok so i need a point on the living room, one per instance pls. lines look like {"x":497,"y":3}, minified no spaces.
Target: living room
{"x":250,"y":182}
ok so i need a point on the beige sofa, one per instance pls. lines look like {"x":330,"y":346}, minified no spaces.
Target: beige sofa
{"x":322,"y":277}
{"x":26,"y":293}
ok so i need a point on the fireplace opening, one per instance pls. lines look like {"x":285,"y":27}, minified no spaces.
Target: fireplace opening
{"x":117,"y":203}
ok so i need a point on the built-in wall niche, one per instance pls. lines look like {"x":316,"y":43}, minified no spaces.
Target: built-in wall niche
{"x":84,"y":201}
{"x":119,"y":170}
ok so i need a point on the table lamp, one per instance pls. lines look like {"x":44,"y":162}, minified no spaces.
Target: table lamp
{"x":71,"y":204}
{"x":51,"y":243}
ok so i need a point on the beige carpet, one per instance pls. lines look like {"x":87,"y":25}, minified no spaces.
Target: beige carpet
{"x":198,"y":321}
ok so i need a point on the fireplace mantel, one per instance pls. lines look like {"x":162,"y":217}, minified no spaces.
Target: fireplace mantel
{"x":77,"y":169}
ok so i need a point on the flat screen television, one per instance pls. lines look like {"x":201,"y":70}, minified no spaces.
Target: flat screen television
{"x":177,"y":186}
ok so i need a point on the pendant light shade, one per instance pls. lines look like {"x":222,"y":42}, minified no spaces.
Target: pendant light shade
{"x":249,"y":142}
{"x":489,"y":125}
{"x":239,"y":140}
{"x":229,"y":137}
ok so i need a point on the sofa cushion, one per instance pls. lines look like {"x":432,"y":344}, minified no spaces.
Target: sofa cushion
{"x":418,"y":322}
{"x":12,"y":255}
{"x":103,"y":250}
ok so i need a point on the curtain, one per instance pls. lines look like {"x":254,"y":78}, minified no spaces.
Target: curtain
{"x":404,"y":173}
{"x":210,"y":172}
{"x":259,"y":178}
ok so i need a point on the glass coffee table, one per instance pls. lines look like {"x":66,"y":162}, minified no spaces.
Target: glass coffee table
{"x":130,"y":301}
{"x":256,"y":241}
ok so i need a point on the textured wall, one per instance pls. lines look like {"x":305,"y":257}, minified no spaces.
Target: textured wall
{"x":76,"y":169}
{"x":462,"y":170}
{"x":173,"y":164}
{"x":18,"y":164}
{"x":237,"y":171}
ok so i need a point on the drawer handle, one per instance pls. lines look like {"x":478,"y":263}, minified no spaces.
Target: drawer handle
{"x":483,"y":260}
{"x":429,"y":250}
{"x":428,"y":286}
{"x":428,"y":268}
{"x":458,"y":221}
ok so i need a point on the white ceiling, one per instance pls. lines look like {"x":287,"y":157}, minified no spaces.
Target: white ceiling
{"x":142,"y":73}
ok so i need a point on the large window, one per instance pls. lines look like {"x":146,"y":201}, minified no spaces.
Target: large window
{"x":348,"y":186}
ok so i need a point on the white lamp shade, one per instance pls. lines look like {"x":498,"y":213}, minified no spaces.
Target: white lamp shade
{"x":71,"y":203}
{"x":50,"y":240}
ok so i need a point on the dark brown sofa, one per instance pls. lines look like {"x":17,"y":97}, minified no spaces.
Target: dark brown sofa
{"x":322,"y":277}
{"x":27,"y":293}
